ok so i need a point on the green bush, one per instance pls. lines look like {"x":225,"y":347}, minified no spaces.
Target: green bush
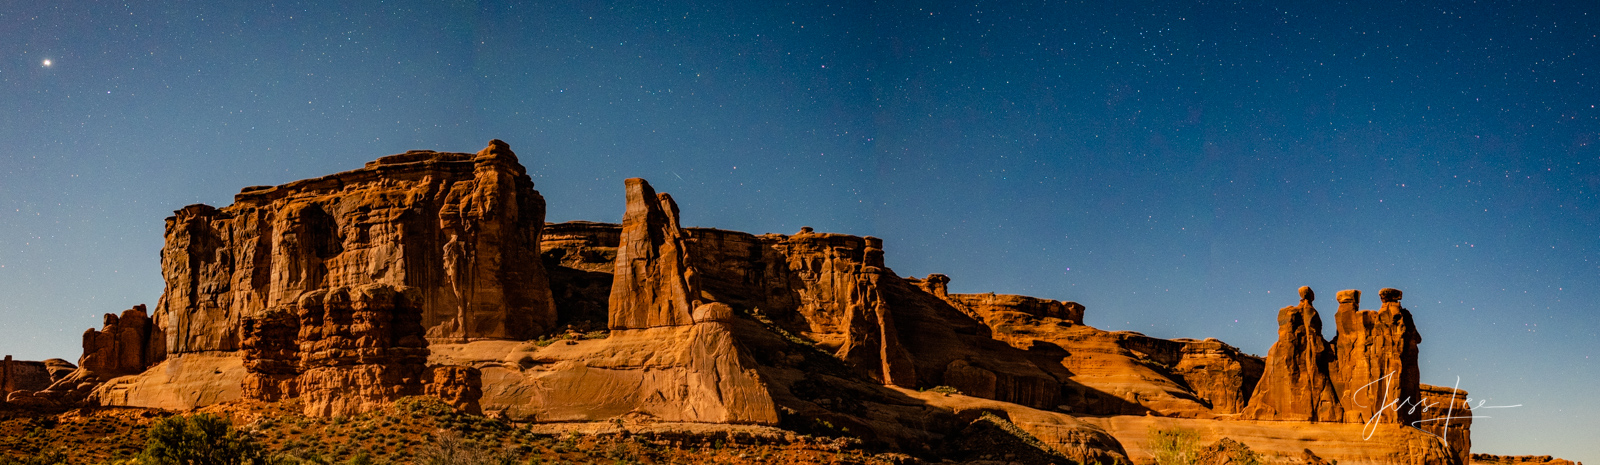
{"x":1176,"y":446}
{"x":202,"y":439}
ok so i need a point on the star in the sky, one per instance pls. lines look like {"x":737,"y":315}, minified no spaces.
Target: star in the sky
{"x":46,"y":63}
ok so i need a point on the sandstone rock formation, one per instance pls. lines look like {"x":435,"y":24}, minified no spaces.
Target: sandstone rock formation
{"x":978,"y":304}
{"x":1296,"y":385}
{"x":1445,"y":413}
{"x":1491,"y":459}
{"x":653,"y":284}
{"x":28,"y":376}
{"x":1368,"y":375}
{"x":1377,"y":360}
{"x":344,"y":351}
{"x":461,"y":229}
{"x":125,"y":345}
{"x":430,"y":273}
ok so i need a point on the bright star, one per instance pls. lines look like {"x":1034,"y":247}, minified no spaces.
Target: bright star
{"x":47,"y":63}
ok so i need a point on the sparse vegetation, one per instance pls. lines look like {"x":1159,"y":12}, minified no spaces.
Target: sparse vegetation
{"x":201,"y":439}
{"x":1174,"y":446}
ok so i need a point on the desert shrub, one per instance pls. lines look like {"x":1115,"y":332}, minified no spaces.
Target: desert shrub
{"x":48,"y":457}
{"x":1176,"y":446}
{"x":946,"y":390}
{"x":449,"y":448}
{"x":202,"y":439}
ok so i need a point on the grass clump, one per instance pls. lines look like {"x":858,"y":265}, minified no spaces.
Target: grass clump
{"x":1174,"y":446}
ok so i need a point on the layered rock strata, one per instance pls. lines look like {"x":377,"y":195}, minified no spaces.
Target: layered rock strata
{"x":343,"y":351}
{"x":461,"y":229}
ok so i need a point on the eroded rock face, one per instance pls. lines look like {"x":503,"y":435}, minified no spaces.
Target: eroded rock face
{"x":1377,"y":360}
{"x":461,"y":229}
{"x":125,"y":345}
{"x":1371,"y":365}
{"x":343,"y":351}
{"x":1446,"y":414}
{"x":1491,"y":459}
{"x":1071,"y":312}
{"x":1295,"y":384}
{"x":653,"y":285}
{"x":28,"y":376}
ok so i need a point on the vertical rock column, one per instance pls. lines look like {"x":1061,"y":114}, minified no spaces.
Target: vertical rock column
{"x":654,"y":289}
{"x":1376,"y":373}
{"x":1295,"y":384}
{"x":653,"y":285}
{"x":491,"y":226}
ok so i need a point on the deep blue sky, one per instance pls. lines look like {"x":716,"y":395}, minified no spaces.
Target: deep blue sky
{"x":1178,"y":168}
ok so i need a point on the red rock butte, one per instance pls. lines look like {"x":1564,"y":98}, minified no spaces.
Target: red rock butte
{"x":434,"y":274}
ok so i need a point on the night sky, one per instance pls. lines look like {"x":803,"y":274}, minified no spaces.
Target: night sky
{"x":1177,"y":168}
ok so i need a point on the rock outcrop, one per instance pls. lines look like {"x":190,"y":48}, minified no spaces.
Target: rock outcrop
{"x":1295,"y":384}
{"x":1445,"y":413}
{"x":653,"y":285}
{"x":124,"y":345}
{"x":343,"y":351}
{"x":1367,"y":374}
{"x":1491,"y":459}
{"x":461,"y":229}
{"x":28,"y":376}
{"x":1376,"y":369}
{"x":979,"y":304}
{"x":430,"y":273}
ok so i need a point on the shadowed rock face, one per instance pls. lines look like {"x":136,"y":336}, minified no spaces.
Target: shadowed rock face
{"x":27,"y":376}
{"x":1447,"y":415}
{"x":461,"y":229}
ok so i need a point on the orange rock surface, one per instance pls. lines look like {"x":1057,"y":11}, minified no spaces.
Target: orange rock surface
{"x":461,"y":229}
{"x":430,"y":273}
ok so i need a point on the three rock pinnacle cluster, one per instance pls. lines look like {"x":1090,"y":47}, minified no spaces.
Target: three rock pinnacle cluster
{"x":434,"y":274}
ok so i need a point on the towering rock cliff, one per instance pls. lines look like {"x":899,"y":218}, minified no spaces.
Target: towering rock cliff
{"x":461,"y":229}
